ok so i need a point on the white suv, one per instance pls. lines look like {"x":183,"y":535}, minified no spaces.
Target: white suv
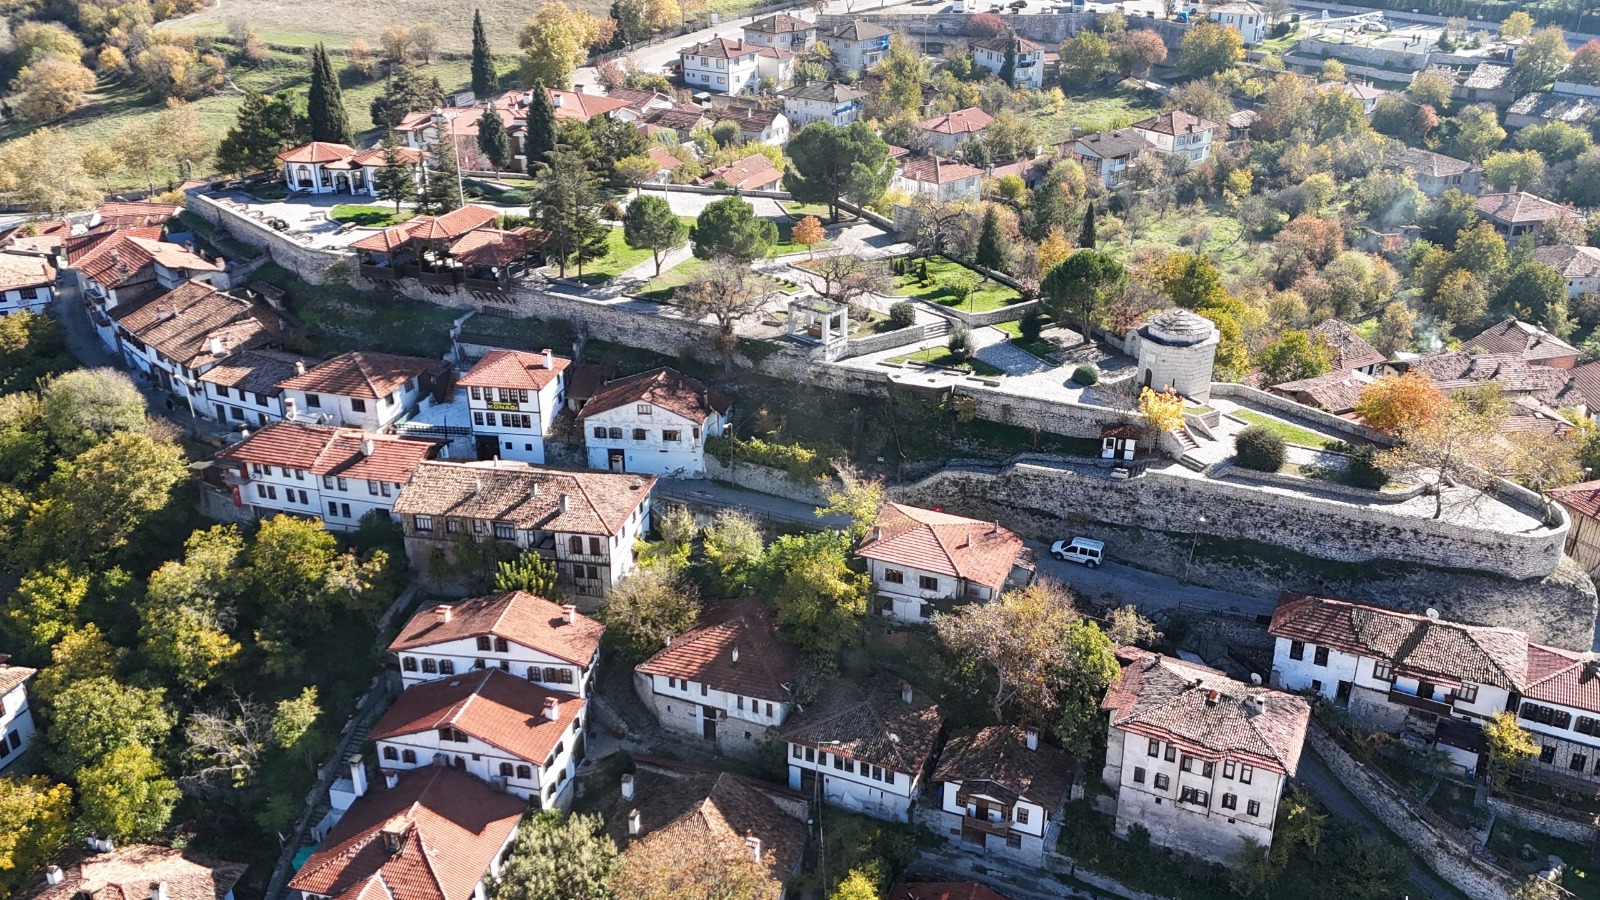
{"x":1079,"y":549}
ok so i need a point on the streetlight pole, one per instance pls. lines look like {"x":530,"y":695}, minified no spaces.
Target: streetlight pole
{"x":1194,"y":537}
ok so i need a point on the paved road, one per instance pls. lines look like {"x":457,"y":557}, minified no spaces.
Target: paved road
{"x":1147,"y":590}
{"x":1341,"y":803}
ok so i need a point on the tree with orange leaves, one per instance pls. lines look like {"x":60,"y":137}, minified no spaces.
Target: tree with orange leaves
{"x":1395,"y":403}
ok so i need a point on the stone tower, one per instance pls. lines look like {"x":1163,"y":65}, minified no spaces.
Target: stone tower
{"x":1176,"y":351}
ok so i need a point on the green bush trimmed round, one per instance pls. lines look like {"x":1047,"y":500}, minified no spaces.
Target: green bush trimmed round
{"x":1259,"y":448}
{"x":1086,"y":375}
{"x":903,"y":314}
{"x":1364,"y":471}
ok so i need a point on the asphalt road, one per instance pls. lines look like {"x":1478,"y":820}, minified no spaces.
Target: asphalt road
{"x":1146,"y":590}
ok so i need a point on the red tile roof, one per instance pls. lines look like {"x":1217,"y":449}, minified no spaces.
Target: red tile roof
{"x":583,"y":107}
{"x":1413,"y":644}
{"x":379,"y":156}
{"x":753,"y":173}
{"x":317,"y":152}
{"x":1586,"y":384}
{"x":1175,"y":122}
{"x":495,"y":707}
{"x":496,"y":247}
{"x":1522,"y":207}
{"x":452,"y":224}
{"x":1000,"y":43}
{"x":451,"y":825}
{"x":127,"y":873}
{"x":194,"y":324}
{"x":669,"y":389}
{"x":256,"y":371}
{"x":976,"y":551}
{"x":19,"y":270}
{"x":121,"y":214}
{"x":663,"y":157}
{"x":1582,"y":498}
{"x":12,"y":676}
{"x":933,"y":170}
{"x":999,"y":756}
{"x":1206,"y":712}
{"x":342,"y":452}
{"x":1530,"y":342}
{"x":963,"y":121}
{"x":870,"y":722}
{"x":514,"y":369}
{"x":519,"y":617}
{"x":721,"y":48}
{"x":359,"y":373}
{"x":113,"y":258}
{"x":944,"y":890}
{"x":386,"y":240}
{"x":766,"y":668}
{"x":1564,"y":677}
{"x":597,"y":503}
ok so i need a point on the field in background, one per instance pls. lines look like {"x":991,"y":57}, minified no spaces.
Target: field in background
{"x":302,"y":23}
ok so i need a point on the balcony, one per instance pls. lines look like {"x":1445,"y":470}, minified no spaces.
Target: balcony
{"x":442,"y":279}
{"x":1421,"y":704}
{"x":384,"y":273}
{"x":977,"y":823}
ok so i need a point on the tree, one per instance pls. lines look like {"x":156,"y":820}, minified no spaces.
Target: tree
{"x":77,"y":656}
{"x":266,"y":125}
{"x":1540,"y":59}
{"x":1585,"y":65}
{"x":494,"y":140}
{"x":1086,"y":235}
{"x":405,"y":91}
{"x":183,"y":139}
{"x":1517,"y":25}
{"x":1557,"y":142}
{"x":1296,"y":355}
{"x":95,"y":717}
{"x":1008,"y":64}
{"x":650,"y":224}
{"x":858,"y":498}
{"x":484,"y":79}
{"x":1447,"y":216}
{"x":649,"y":608}
{"x":425,"y":41}
{"x":540,"y":138}
{"x":396,"y":179}
{"x":1399,"y":403}
{"x":555,"y":41}
{"x":820,"y":600}
{"x":1138,"y":50}
{"x":396,"y":44}
{"x":35,"y":815}
{"x":1208,"y":48}
{"x":1476,"y":132}
{"x":808,"y":232}
{"x":50,"y":87}
{"x":1395,"y":328}
{"x":1458,"y":445}
{"x":1083,"y":286}
{"x":1085,"y":59}
{"x":45,"y":608}
{"x":1510,"y":745}
{"x":1511,"y":170}
{"x":729,"y":227}
{"x":188,"y":608}
{"x":529,"y":572}
{"x":43,"y":172}
{"x":293,"y":727}
{"x":1054,"y":249}
{"x":92,"y":505}
{"x":125,"y":796}
{"x":727,"y":291}
{"x":566,"y":204}
{"x":639,"y":19}
{"x":828,"y":162}
{"x":847,"y":278}
{"x":1536,"y":293}
{"x":858,"y":885}
{"x":1126,"y":626}
{"x":85,"y":406}
{"x":325,"y":101}
{"x":1162,"y":411}
{"x":991,"y":253}
{"x":556,"y":858}
{"x":732,"y":546}
{"x":225,"y":744}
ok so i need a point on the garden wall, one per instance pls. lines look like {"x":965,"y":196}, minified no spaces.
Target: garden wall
{"x":768,"y":480}
{"x":1296,"y":483}
{"x":1444,"y":856}
{"x":889,"y":340}
{"x":992,"y":317}
{"x":1249,"y":396}
{"x":1049,"y":29}
{"x":1559,"y":827}
{"x":309,"y":263}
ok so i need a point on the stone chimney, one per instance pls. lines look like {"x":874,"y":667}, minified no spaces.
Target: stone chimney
{"x":1033,"y":739}
{"x":367,"y":446}
{"x":735,"y":652}
{"x":391,"y":779}
{"x":627,"y":787}
{"x":445,"y":612}
{"x":358,"y":775}
{"x":569,"y":613}
{"x":561,"y":502}
{"x":905,"y":692}
{"x":549,"y":359}
{"x":552,"y":708}
{"x":53,"y":875}
{"x":633,"y":823}
{"x":754,"y":843}
{"x":299,"y":367}
{"x":1255,"y":705}
{"x":214,"y":346}
{"x":158,"y":890}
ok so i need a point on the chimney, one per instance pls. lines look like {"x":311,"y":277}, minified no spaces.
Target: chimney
{"x":1211,"y":698}
{"x":966,"y":541}
{"x":214,"y":346}
{"x":358,"y":774}
{"x":905,"y":692}
{"x":289,"y":407}
{"x":552,"y":708}
{"x":1033,"y":739}
{"x":158,"y":890}
{"x":445,"y":612}
{"x":1255,"y":705}
{"x":569,"y":613}
{"x":549,"y":359}
{"x":633,"y":823}
{"x":754,"y":843}
{"x":366,"y":446}
{"x":735,"y":652}
{"x":391,"y":779}
{"x":877,"y":534}
{"x":627,"y":787}
{"x":53,"y":875}
{"x":561,"y":502}
{"x":299,"y":367}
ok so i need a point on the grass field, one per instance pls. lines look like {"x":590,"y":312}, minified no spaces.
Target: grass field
{"x":1234,"y":254}
{"x":618,"y":259}
{"x":337,"y":318}
{"x":1039,"y":347}
{"x":939,"y":356}
{"x":304,"y":22}
{"x":1096,"y":110}
{"x":369,"y":216}
{"x":988,"y":295}
{"x":1293,"y":434}
{"x":786,"y":244}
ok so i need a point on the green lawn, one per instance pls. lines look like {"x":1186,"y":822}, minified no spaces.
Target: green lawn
{"x":1099,"y":109}
{"x":939,"y":356}
{"x":988,"y":294}
{"x":1039,"y":347}
{"x":1507,"y":840}
{"x":801,"y":210}
{"x":618,"y":259}
{"x":369,"y":216}
{"x":1293,"y":434}
{"x":1234,"y":253}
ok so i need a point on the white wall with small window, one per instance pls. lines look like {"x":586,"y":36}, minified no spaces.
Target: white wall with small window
{"x":545,"y":783}
{"x":366,"y":413}
{"x":340,"y":502}
{"x":1568,"y":737}
{"x":722,"y":75}
{"x":16,"y":724}
{"x":1337,"y":675}
{"x":237,"y":406}
{"x":644,"y":437}
{"x":485,"y":651}
{"x":907,"y":594}
{"x":858,"y":785}
{"x":743,"y":723}
{"x":516,"y":419}
{"x":32,"y":299}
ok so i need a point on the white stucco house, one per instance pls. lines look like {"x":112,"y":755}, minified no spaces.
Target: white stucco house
{"x":493,"y":725}
{"x":855,"y":46}
{"x":532,"y":638}
{"x":938,"y":179}
{"x":177,"y":337}
{"x":323,"y":167}
{"x":1578,"y":266}
{"x":1109,"y":155}
{"x":1002,"y":793}
{"x":514,"y":398}
{"x":728,"y":681}
{"x":990,"y":54}
{"x":1179,"y":133}
{"x":1196,"y":758}
{"x":1249,"y":19}
{"x":782,"y":31}
{"x":244,"y":387}
{"x":948,"y":132}
{"x":337,"y":475}
{"x":27,"y":282}
{"x":724,"y":66}
{"x":655,"y":422}
{"x":360,"y":389}
{"x":864,"y":745}
{"x":822,"y":101}
{"x":16,"y":717}
{"x":918,"y":556}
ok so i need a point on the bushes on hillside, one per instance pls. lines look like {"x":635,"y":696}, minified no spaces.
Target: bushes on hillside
{"x":1259,"y":448}
{"x":801,"y":463}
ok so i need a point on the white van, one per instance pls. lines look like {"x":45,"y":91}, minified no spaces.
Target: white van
{"x":1079,"y":549}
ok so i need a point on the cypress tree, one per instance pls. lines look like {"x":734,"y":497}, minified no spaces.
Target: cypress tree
{"x":394,"y":179}
{"x":1008,"y":68}
{"x":991,"y":244}
{"x":325,"y":102}
{"x":484,"y":82}
{"x":494,"y":140}
{"x":619,"y":35}
{"x":1086,"y":235}
{"x":541,"y":136}
{"x":441,"y":192}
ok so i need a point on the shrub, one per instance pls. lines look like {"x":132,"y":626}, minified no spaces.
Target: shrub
{"x":903,"y":314}
{"x":922,"y":270}
{"x":1364,"y":471}
{"x":1259,"y":448}
{"x":1086,"y":375}
{"x":802,"y":464}
{"x":961,"y":342}
{"x":1032,"y":324}
{"x":611,"y":210}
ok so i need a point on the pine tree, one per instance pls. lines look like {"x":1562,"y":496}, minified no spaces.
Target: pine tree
{"x":484,"y":82}
{"x":991,"y":243}
{"x":568,"y":198}
{"x":494,"y":140}
{"x":619,"y":39}
{"x":1086,"y":234}
{"x":442,"y":191}
{"x":541,"y":135}
{"x":394,"y":179}
{"x":1008,"y":68}
{"x":329,"y":122}
{"x":267,"y":125}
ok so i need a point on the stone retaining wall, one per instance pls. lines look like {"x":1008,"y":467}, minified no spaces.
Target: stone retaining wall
{"x":1447,"y":859}
{"x":889,"y":340}
{"x":767,"y":480}
{"x":1050,"y":29}
{"x":1296,"y":483}
{"x":1249,"y":396}
{"x":309,"y":263}
{"x":992,"y":317}
{"x":1545,"y":823}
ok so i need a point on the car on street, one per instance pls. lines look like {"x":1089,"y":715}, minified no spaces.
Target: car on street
{"x":1080,"y":549}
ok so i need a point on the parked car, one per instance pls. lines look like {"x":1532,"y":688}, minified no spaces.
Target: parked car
{"x":1079,"y":549}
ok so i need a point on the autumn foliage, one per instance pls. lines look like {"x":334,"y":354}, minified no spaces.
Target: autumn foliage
{"x":1395,"y":403}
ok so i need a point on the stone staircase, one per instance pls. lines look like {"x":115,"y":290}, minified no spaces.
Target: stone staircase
{"x":1188,"y":459}
{"x":938,"y":329}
